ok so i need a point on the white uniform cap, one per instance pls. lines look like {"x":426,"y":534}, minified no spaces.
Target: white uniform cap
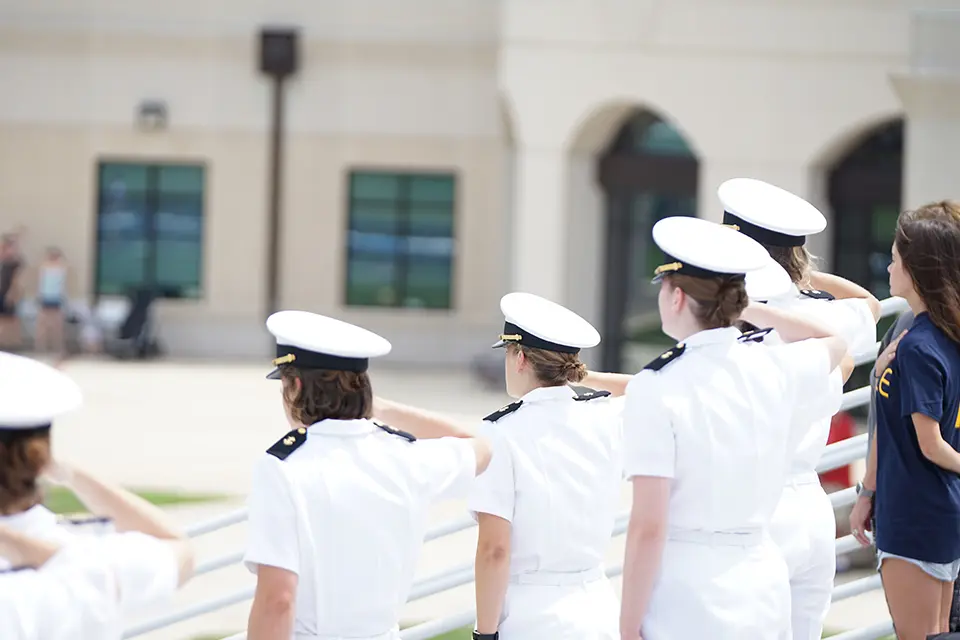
{"x":769,"y":214}
{"x":310,"y":341}
{"x":772,"y":281}
{"x":532,"y":321}
{"x":32,"y":393}
{"x":704,"y":249}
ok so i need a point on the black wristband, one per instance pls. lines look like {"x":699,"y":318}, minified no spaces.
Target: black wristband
{"x":486,"y":636}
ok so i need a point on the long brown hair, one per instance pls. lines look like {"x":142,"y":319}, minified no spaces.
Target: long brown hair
{"x":23,"y":456}
{"x":796,"y":261}
{"x":718,"y":302}
{"x":928,"y":241}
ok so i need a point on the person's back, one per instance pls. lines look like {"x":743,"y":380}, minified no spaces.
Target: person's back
{"x":566,"y":457}
{"x":378,"y":488}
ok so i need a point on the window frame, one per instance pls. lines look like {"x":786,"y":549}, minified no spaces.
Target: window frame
{"x":152,"y":196}
{"x":401,"y":261}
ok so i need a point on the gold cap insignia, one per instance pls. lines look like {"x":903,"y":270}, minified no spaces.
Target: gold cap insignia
{"x":513,"y":337}
{"x":665,"y":268}
{"x":284,"y":359}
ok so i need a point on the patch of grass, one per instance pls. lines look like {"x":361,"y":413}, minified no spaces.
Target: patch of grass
{"x":61,"y":500}
{"x":465,"y":633}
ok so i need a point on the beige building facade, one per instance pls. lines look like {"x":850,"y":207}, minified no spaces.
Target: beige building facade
{"x":439,"y":153}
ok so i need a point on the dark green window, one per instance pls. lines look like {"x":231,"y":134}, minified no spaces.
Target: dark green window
{"x":150,"y":229}
{"x":400,"y":243}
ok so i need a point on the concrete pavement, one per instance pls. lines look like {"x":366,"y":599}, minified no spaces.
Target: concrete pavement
{"x":198,"y":427}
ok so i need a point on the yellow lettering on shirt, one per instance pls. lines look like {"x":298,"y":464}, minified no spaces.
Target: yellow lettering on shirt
{"x":884,"y":381}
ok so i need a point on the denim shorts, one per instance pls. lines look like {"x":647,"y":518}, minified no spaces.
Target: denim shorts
{"x":944,"y":572}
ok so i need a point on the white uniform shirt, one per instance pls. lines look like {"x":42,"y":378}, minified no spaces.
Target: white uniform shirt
{"x":713,"y":420}
{"x":852,"y":320}
{"x":84,"y":591}
{"x":555,"y":476}
{"x":346,"y":512}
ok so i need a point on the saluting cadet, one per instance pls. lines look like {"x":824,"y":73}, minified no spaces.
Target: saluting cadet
{"x":705,"y":445}
{"x":804,"y":524}
{"x":547,"y":504}
{"x":339,"y":505}
{"x":136,"y":559}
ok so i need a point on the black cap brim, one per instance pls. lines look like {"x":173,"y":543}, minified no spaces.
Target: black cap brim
{"x":274,"y":375}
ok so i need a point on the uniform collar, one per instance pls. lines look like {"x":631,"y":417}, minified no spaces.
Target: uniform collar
{"x":542,"y":394}
{"x":342,"y":428}
{"x":33,"y":519}
{"x":713,"y":336}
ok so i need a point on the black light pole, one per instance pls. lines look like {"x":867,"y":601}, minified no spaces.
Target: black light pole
{"x":278,"y":59}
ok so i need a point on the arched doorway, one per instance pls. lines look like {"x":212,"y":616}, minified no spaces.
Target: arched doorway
{"x":865,"y":193}
{"x":865,"y":190}
{"x":648,"y":172}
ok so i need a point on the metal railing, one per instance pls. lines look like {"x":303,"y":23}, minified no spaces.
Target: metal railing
{"x":835,"y":456}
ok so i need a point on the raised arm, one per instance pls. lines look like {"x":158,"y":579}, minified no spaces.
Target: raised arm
{"x":791,"y":327}
{"x":842,"y":289}
{"x":24,"y":551}
{"x":129,"y":512}
{"x":615,"y":383}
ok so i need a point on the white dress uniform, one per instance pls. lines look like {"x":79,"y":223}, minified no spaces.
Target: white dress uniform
{"x":99,"y":575}
{"x":804,"y":524}
{"x":344,"y":503}
{"x":555,"y":475}
{"x":708,"y":415}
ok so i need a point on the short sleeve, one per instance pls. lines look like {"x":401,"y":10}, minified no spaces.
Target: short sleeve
{"x":272,"y":530}
{"x":445,"y":467}
{"x":494,"y":490}
{"x":921,"y":380}
{"x":146,"y":569}
{"x":818,"y":391}
{"x":649,"y":439}
{"x":852,"y":320}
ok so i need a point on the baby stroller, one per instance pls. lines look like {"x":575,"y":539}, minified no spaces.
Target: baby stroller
{"x":136,"y":334}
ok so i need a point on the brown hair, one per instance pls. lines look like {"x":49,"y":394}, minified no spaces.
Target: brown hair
{"x":796,"y":261}
{"x":718,"y":302}
{"x":23,"y":456}
{"x":552,"y":368}
{"x":928,"y":241}
{"x":323,"y":394}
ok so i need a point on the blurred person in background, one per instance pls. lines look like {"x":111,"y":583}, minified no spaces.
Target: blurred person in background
{"x":11,"y":291}
{"x":705,"y":444}
{"x":339,"y":505}
{"x":142,"y":559}
{"x":913,"y":468}
{"x":547,"y":505}
{"x":52,"y":299}
{"x":804,"y":524}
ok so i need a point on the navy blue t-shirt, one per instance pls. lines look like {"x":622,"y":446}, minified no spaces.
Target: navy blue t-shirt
{"x":917,"y":502}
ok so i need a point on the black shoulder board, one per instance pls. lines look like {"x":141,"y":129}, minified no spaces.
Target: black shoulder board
{"x":757,"y":335}
{"x":395,"y":432}
{"x":288,"y":444}
{"x":816,"y":294}
{"x":84,"y":520}
{"x":666,"y":358}
{"x":505,"y":411}
{"x":585,"y":394}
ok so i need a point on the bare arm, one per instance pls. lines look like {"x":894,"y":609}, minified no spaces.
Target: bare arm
{"x":419,"y":422}
{"x":129,"y":512}
{"x":792,"y":327}
{"x":615,"y":383}
{"x":274,"y":604}
{"x":847,"y":365}
{"x":933,"y":446}
{"x":24,"y":551}
{"x":646,"y":536}
{"x":492,"y":570}
{"x":841,"y":288}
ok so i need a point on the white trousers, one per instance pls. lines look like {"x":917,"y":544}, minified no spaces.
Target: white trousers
{"x":587,"y":610}
{"x":721,"y":592}
{"x":805,"y":529}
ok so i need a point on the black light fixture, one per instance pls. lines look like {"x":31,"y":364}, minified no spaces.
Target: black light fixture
{"x":152,"y":115}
